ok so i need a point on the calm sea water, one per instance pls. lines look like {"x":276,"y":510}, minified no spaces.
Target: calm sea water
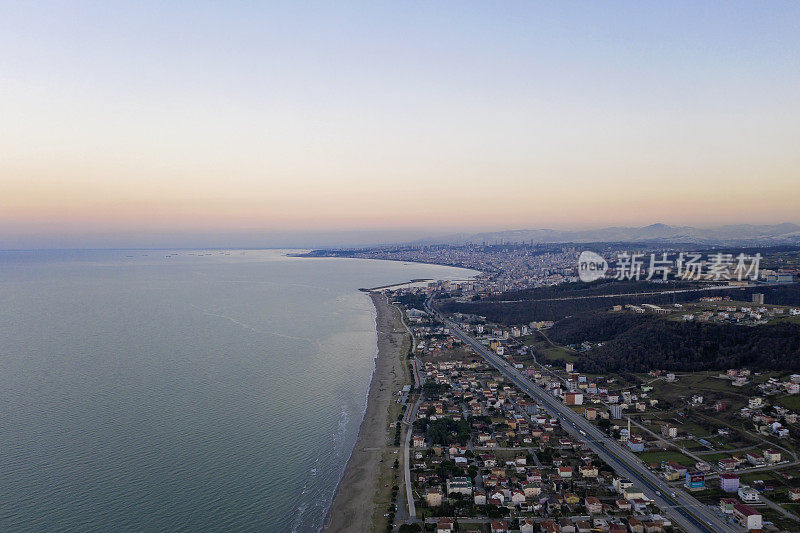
{"x":182,"y":391}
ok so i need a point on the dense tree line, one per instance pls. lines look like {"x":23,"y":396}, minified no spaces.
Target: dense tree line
{"x":446,"y":431}
{"x":410,"y":300}
{"x":788,"y":294}
{"x":641,"y":343}
{"x":541,"y":306}
{"x":524,"y":312}
{"x":433,"y":390}
{"x":596,"y":326}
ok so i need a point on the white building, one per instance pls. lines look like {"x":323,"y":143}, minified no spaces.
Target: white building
{"x":747,"y":517}
{"x":748,"y":494}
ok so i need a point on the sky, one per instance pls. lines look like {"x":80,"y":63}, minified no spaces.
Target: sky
{"x":270,"y":123}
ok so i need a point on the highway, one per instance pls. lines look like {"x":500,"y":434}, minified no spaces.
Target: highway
{"x":684,"y":510}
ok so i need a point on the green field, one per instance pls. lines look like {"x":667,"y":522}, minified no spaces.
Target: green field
{"x":547,"y":351}
{"x":694,"y":428}
{"x":790,"y":402}
{"x":666,"y":456}
{"x":770,"y":478}
{"x":786,"y":319}
{"x":694,"y":446}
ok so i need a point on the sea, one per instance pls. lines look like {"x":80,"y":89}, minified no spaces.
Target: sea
{"x":182,"y":390}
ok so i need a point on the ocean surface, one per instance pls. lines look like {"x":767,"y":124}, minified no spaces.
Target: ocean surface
{"x":182,"y":391}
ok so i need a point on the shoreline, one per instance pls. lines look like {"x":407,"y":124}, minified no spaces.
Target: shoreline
{"x":312,"y":255}
{"x":354,"y":502}
{"x":394,"y":285}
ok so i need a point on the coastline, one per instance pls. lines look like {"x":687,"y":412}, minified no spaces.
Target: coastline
{"x":357,"y":495}
{"x":320,"y":254}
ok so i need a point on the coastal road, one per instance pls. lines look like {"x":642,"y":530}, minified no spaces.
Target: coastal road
{"x":684,"y":510}
{"x":412,"y":509}
{"x":411,"y":415}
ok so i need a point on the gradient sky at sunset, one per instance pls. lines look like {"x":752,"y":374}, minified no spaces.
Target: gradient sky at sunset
{"x":169,"y":123}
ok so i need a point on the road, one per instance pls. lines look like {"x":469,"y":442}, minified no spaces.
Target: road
{"x":412,"y":509}
{"x":411,"y":415}
{"x":671,"y":444}
{"x":772,"y":505}
{"x":684,"y":510}
{"x":589,"y":297}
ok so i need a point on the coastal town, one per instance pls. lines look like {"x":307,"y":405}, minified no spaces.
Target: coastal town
{"x":400,"y":267}
{"x":510,"y":266}
{"x":499,"y":429}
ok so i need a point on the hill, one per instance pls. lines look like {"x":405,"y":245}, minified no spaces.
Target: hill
{"x":569,"y":299}
{"x":640,"y":343}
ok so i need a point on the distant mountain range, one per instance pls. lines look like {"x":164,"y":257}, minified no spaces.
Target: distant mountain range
{"x":732,"y":234}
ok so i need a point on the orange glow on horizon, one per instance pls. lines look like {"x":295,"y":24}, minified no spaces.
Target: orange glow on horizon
{"x":343,"y":120}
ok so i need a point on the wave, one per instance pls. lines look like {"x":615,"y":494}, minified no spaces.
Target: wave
{"x":305,"y":519}
{"x":342,"y":471}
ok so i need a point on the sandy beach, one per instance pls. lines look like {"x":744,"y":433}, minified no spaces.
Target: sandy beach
{"x":354,"y":501}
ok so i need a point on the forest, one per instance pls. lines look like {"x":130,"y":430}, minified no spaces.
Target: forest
{"x":640,"y":343}
{"x":570,"y":299}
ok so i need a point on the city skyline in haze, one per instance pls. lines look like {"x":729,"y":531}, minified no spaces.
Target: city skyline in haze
{"x":733,"y":234}
{"x":150,"y":125}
